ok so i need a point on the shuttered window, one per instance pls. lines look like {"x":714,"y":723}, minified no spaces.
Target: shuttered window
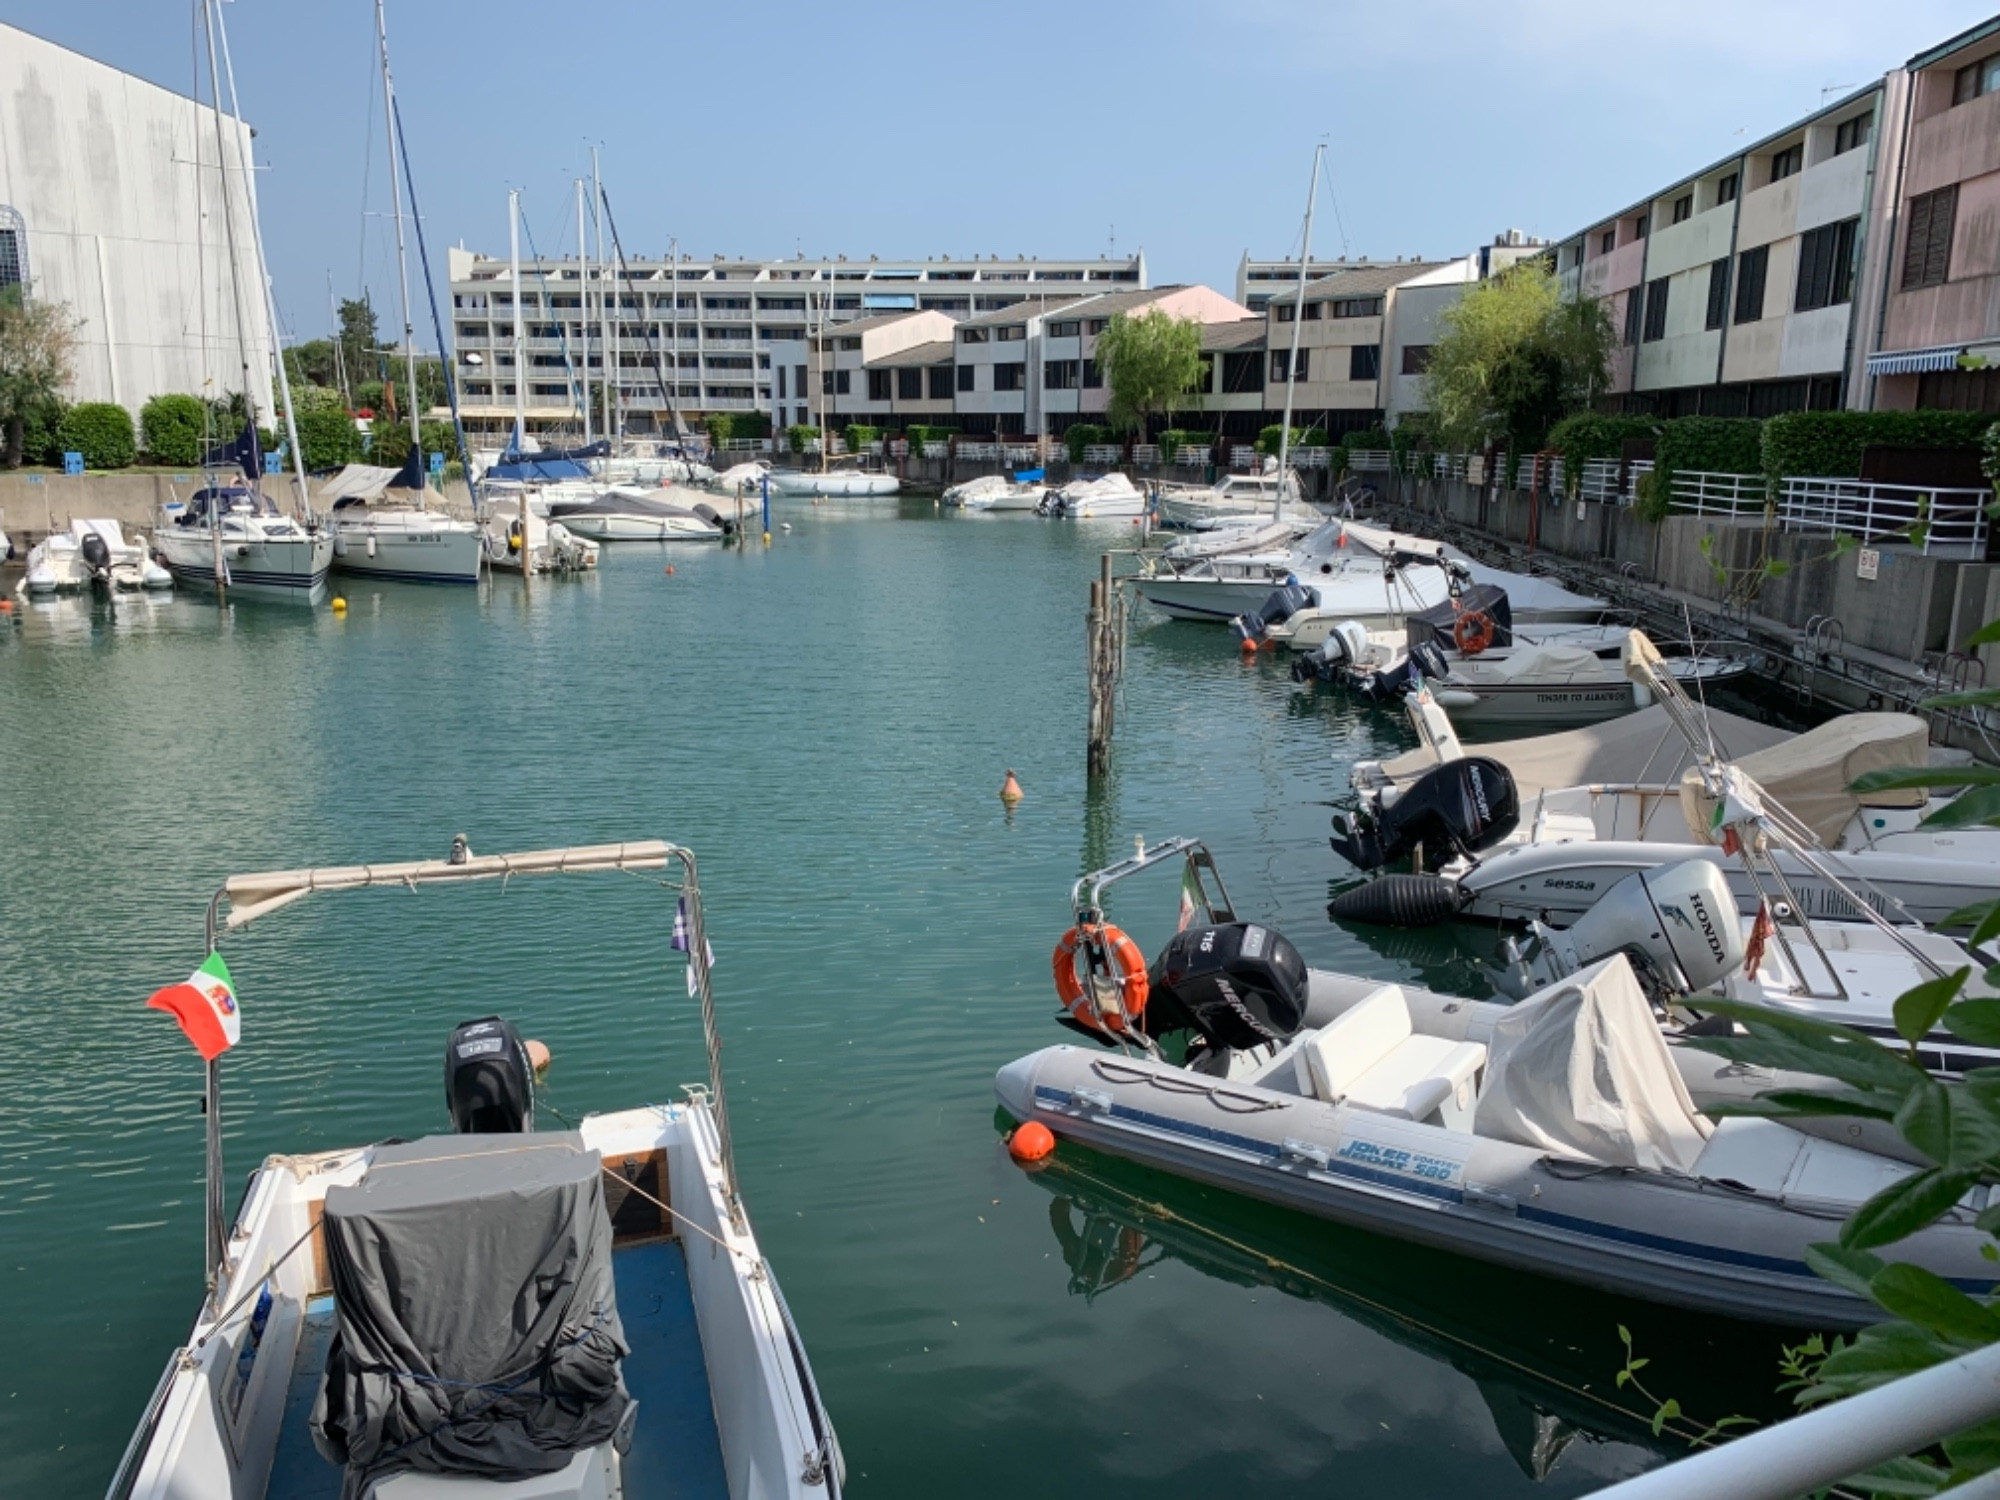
{"x":1718,"y":293}
{"x":1927,"y":251}
{"x":1635,"y":308}
{"x":1751,"y":266}
{"x":1826,"y":266}
{"x":1656,"y":310}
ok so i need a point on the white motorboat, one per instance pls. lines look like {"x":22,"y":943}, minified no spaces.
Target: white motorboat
{"x":55,"y":566}
{"x":573,"y":1314}
{"x":1559,"y":1135}
{"x":261,"y":553}
{"x":624,"y":513}
{"x":995,"y":492}
{"x":112,"y":562}
{"x":1241,"y":536}
{"x":1235,"y":500}
{"x":652,"y":470}
{"x":1558,"y":683}
{"x":1107,"y":497}
{"x":547,"y":546}
{"x":838,"y":484}
{"x":744,"y":480}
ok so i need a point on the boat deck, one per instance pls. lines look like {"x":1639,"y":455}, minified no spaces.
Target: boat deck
{"x":676,"y":1452}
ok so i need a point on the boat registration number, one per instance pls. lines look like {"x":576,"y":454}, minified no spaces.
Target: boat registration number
{"x":1403,"y":1162}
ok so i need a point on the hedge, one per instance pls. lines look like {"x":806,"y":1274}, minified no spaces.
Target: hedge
{"x":391,"y":442}
{"x":1082,"y":435}
{"x":1711,"y":445}
{"x":171,"y":429}
{"x":919,"y":433}
{"x":1587,"y":435}
{"x":1828,"y":444}
{"x":725,"y":427}
{"x":1371,"y":440}
{"x":1990,"y":464}
{"x":859,"y":435}
{"x":101,"y":431}
{"x":1176,"y":438}
{"x":38,"y":433}
{"x":800,"y":438}
{"x":328,"y":439}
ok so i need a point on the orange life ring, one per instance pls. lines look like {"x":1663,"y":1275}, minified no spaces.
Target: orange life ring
{"x":1125,"y":958}
{"x":1472,"y":632}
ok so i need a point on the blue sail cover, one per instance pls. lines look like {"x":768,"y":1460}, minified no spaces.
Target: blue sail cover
{"x":411,"y":475}
{"x":243,"y":453}
{"x":536,"y":467}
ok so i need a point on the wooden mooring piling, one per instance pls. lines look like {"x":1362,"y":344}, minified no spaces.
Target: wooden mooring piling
{"x":1104,"y":663}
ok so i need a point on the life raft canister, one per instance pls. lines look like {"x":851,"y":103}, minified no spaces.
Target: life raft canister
{"x":1124,"y":958}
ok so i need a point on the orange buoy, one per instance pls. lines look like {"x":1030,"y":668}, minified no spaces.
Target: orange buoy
{"x":670,"y":570}
{"x":1249,"y":646}
{"x":6,"y":606}
{"x":1010,"y":789}
{"x":1031,"y":1142}
{"x":538,"y":1055}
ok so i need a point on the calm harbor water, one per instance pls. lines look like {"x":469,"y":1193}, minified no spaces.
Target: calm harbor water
{"x":825,"y":723}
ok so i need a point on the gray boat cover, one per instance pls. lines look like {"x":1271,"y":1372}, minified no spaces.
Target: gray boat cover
{"x":1636,"y":748}
{"x":1809,"y":775}
{"x":478,"y":1325}
{"x":1581,"y":1071}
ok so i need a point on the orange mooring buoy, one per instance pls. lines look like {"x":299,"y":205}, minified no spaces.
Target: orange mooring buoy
{"x":538,"y":1055}
{"x":1010,"y":789}
{"x":670,"y":570}
{"x":1031,"y":1142}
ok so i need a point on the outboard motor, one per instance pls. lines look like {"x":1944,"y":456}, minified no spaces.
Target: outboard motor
{"x":97,"y":557}
{"x":488,"y":1084}
{"x":725,"y":524}
{"x":1677,"y":924}
{"x":1236,"y":985}
{"x":1339,"y":654}
{"x":1280,"y":607}
{"x":1463,"y":806}
{"x":1388,"y":687}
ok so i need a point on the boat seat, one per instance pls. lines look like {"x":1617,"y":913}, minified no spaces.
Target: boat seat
{"x":1371,"y":1058}
{"x":590,"y":1475}
{"x":1552,"y":826}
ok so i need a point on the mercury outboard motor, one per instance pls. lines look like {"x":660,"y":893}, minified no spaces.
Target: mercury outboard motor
{"x":1463,"y":806}
{"x":725,"y":524}
{"x":1280,"y":607}
{"x":488,"y":1083}
{"x":1388,"y":687}
{"x":97,"y":557}
{"x":1677,"y":924}
{"x":1236,"y":984}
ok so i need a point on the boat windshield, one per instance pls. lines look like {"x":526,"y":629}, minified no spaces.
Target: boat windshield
{"x":234,"y":500}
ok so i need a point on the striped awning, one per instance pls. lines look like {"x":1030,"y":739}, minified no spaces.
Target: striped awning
{"x":1915,"y":361}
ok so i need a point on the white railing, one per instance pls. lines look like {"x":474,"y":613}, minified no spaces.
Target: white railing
{"x":1702,"y":492}
{"x":1102,"y":453}
{"x":1448,"y":465}
{"x":1021,"y":453}
{"x":1600,"y":482}
{"x":725,"y":315}
{"x":728,"y":403}
{"x":899,"y":448}
{"x":1952,"y":519}
{"x":1368,"y":460}
{"x":934,"y":450}
{"x":1145,"y":453}
{"x":746,"y":445}
{"x":1188,"y":456}
{"x":979,"y":452}
{"x":1244,"y":457}
{"x":1311,"y":458}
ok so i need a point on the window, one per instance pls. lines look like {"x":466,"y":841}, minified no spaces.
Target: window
{"x":841,"y":379}
{"x":1683,"y":208}
{"x":852,"y":346}
{"x":1313,"y":311}
{"x":1927,"y":251}
{"x":1093,"y":378}
{"x":1656,"y":310}
{"x":1851,"y":133}
{"x":1718,"y":293}
{"x":1097,"y":325}
{"x":799,"y":380}
{"x":1280,"y":361}
{"x":1243,"y":370}
{"x":1982,"y":77}
{"x":1607,"y":242}
{"x":972,"y":335}
{"x":878,"y":385}
{"x":1750,"y":268}
{"x":1364,"y":362}
{"x":1826,"y":266}
{"x":781,"y":382}
{"x":1788,"y":162}
{"x":1642,"y":226}
{"x":1357,"y":307}
{"x":1010,"y":377}
{"x":910,"y":383}
{"x":965,"y":376}
{"x":1067,"y":330}
{"x":1725,"y":190}
{"x":1013,"y":333}
{"x":1634,"y":308}
{"x":1061,"y":374}
{"x":1287,"y":313}
{"x":1416,"y":358}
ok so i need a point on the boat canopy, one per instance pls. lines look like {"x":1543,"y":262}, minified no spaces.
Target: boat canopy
{"x":1642,"y":748}
{"x":355,"y":484}
{"x":1582,"y":1071}
{"x":536,"y":470}
{"x":1554,"y":663}
{"x":1809,"y":774}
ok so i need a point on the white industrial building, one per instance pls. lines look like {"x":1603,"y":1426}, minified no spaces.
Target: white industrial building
{"x":111,"y":201}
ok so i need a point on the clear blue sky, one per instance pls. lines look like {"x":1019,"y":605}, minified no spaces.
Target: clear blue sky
{"x":1032,"y":127}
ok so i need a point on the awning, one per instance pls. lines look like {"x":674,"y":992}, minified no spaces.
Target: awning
{"x":1915,"y":361}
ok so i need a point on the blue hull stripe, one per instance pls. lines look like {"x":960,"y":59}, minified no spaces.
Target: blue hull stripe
{"x":1193,"y":609}
{"x":398,"y":575}
{"x":239,"y":578}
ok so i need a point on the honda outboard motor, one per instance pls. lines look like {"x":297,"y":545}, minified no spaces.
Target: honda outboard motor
{"x":1463,"y":806}
{"x":1388,"y":687}
{"x":97,"y":557}
{"x":488,"y":1083}
{"x":1677,"y":924}
{"x":1339,"y":654}
{"x":1280,"y":607}
{"x":1236,"y":984}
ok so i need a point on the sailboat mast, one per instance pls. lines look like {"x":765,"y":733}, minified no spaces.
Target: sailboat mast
{"x":583,"y":305}
{"x":304,"y":506}
{"x":402,"y":255}
{"x":228,"y":218}
{"x":520,"y":344}
{"x":604,"y":341}
{"x":1298,"y":325}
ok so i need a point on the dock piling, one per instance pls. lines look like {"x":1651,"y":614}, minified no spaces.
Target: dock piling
{"x":1104,"y":652}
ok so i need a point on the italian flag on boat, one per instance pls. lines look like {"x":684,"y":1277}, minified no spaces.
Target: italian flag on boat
{"x":205,"y":1005}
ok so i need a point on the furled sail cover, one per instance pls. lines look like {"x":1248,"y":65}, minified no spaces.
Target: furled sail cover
{"x":1809,"y":775}
{"x":1580,"y":1069}
{"x":478,"y":1324}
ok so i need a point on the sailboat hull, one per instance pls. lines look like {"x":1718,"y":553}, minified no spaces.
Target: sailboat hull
{"x":292,"y":570}
{"x":415,"y":548}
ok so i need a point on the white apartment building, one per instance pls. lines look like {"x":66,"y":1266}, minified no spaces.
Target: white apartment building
{"x":730,"y":335}
{"x":111,"y":200}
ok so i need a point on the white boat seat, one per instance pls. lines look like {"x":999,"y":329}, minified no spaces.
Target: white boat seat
{"x":590,"y":1475}
{"x":1552,"y":827}
{"x":1370,"y":1058}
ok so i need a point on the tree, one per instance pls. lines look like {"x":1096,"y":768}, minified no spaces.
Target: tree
{"x":312,"y":363}
{"x":37,"y":355}
{"x":1513,"y":358}
{"x":1150,"y":360}
{"x":359,"y":345}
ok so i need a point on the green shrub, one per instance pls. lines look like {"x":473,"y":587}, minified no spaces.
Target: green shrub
{"x":1712,"y":445}
{"x":392,"y":443}
{"x":1372,"y":440}
{"x":38,"y":433}
{"x":800,"y":438}
{"x":859,"y":435}
{"x":1989,"y":465}
{"x":1828,"y":444}
{"x":1176,"y":438}
{"x":1588,"y":435}
{"x":1315,"y":437}
{"x":101,"y":431}
{"x":171,"y":429}
{"x":318,"y":398}
{"x":1082,"y":435}
{"x":1654,"y":494}
{"x":328,"y":439}
{"x":1268,"y":438}
{"x":727,"y":427}
{"x":919,"y":433}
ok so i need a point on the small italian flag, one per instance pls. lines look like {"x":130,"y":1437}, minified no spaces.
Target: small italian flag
{"x":205,"y":1005}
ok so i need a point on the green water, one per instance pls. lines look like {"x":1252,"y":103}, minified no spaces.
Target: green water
{"x":825,"y":723}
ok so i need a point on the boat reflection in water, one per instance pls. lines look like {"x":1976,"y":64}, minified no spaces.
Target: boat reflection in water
{"x":1544,"y":1357}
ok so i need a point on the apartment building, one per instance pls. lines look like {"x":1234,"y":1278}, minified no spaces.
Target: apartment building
{"x":1340,"y":340}
{"x":859,"y":370}
{"x":728,"y":334}
{"x":1934,"y":296}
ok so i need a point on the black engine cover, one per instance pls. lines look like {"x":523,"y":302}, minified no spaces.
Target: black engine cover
{"x":488,"y":1085}
{"x":1237,"y":984}
{"x":1461,"y":807}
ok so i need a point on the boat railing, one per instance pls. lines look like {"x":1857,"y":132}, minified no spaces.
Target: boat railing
{"x":127,"y":1471}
